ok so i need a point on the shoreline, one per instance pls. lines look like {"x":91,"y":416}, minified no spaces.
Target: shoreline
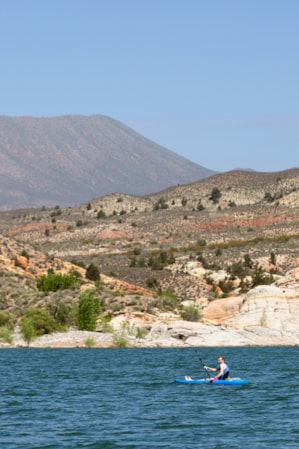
{"x":179,"y":334}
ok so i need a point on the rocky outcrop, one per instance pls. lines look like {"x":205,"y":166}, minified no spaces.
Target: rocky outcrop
{"x":274,"y":307}
{"x":197,"y":334}
{"x":269,"y":307}
{"x":221,"y":310}
{"x":166,"y":335}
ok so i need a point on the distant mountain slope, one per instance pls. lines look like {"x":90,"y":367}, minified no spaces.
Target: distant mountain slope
{"x":71,"y":159}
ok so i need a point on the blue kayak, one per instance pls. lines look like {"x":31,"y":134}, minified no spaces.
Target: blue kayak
{"x":229,"y":382}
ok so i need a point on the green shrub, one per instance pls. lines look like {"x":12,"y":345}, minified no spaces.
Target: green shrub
{"x":284,"y":238}
{"x":76,"y":273}
{"x":268,"y":197}
{"x":272,"y":259}
{"x":89,"y":342}
{"x":105,"y":324}
{"x":218,"y":252}
{"x":79,"y":263}
{"x":237,"y":269}
{"x":200,"y":206}
{"x":226,"y":286}
{"x":98,"y":285}
{"x":40,"y":321}
{"x":25,"y":254}
{"x":260,"y":277}
{"x":5,"y":335}
{"x":5,"y":319}
{"x":63,"y":313}
{"x":56,"y":213}
{"x":161,"y":204}
{"x":88,"y":311}
{"x":155,"y":263}
{"x":120,"y":340}
{"x":101,"y":214}
{"x":215,"y":195}
{"x":245,"y":285}
{"x":133,"y":261}
{"x":141,"y":332}
{"x":27,"y":330}
{"x":92,"y":272}
{"x":190,"y":313}
{"x":152,"y":282}
{"x":169,"y":300}
{"x":56,"y":281}
{"x":159,"y":261}
{"x":247,"y":261}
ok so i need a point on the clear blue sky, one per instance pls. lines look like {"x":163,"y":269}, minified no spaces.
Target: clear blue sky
{"x":216,"y":81}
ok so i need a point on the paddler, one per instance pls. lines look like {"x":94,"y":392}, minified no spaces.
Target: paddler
{"x":223,"y":369}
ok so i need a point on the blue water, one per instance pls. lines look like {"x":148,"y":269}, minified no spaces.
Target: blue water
{"x":127,"y":398}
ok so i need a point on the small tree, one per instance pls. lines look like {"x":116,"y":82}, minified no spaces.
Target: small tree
{"x":215,"y":195}
{"x":88,"y":311}
{"x":101,"y":214}
{"x":92,"y":273}
{"x":27,"y":330}
{"x":273,"y":258}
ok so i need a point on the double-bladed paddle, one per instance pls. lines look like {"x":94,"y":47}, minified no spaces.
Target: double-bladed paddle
{"x":203,"y":365}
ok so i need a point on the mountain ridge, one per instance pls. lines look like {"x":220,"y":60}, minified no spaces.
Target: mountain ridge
{"x":70,"y":159}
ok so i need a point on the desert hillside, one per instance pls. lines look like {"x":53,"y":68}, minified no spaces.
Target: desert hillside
{"x":219,"y":251}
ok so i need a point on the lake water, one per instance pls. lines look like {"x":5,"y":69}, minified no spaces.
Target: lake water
{"x":127,"y":398}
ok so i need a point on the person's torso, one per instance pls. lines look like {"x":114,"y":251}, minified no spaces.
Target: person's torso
{"x":225,"y":368}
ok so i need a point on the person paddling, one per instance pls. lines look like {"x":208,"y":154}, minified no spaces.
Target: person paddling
{"x":223,"y":369}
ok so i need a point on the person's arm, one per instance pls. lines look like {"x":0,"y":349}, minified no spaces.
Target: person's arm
{"x":208,"y":368}
{"x":221,"y":371}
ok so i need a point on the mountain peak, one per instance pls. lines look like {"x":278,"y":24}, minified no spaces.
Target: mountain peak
{"x":70,"y":159}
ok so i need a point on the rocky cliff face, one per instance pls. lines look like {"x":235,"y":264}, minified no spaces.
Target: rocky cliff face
{"x":269,"y":307}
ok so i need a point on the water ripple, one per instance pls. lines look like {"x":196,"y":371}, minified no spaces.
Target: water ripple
{"x":127,"y":398}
